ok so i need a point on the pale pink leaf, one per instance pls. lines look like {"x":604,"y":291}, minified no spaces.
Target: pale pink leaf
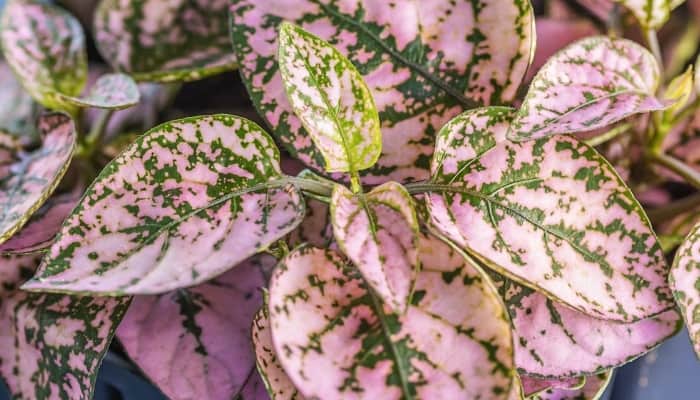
{"x":335,"y":339}
{"x":379,"y":232}
{"x":533,"y":386}
{"x":593,"y":389}
{"x":651,"y":14}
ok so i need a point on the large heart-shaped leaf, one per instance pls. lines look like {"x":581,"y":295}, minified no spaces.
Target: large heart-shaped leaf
{"x":651,"y":14}
{"x":278,"y":384}
{"x":379,"y":232}
{"x":423,"y":62}
{"x":28,"y":179}
{"x":588,"y":85}
{"x":685,"y":283}
{"x":184,"y":203}
{"x":593,"y":389}
{"x":551,"y":213}
{"x":153,"y":40}
{"x":51,"y":345}
{"x":554,"y":341}
{"x":195,"y":343}
{"x":333,"y":102}
{"x":335,"y":339}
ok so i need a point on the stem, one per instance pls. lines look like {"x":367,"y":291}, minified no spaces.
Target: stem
{"x":609,"y":135}
{"x":355,"y":184}
{"x":316,"y":189}
{"x":94,"y":138}
{"x":679,"y":167}
{"x":653,"y":42}
{"x":668,"y":211}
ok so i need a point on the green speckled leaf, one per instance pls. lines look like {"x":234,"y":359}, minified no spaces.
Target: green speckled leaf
{"x":51,"y":345}
{"x":551,"y":213}
{"x":332,"y":100}
{"x":27,"y":179}
{"x":165,"y":41}
{"x":685,"y":283}
{"x":184,"y":203}
{"x":423,"y":61}
{"x":335,"y":339}
{"x":651,"y":14}
{"x":111,"y":91}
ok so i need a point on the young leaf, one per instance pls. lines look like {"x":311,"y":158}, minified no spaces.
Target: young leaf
{"x":588,"y":85}
{"x":28,"y":179}
{"x":45,"y":47}
{"x":533,"y":386}
{"x":685,"y":283}
{"x":423,"y":62}
{"x":184,"y":203}
{"x":679,"y":89}
{"x":195,"y":343}
{"x":651,"y":14}
{"x":551,"y":213}
{"x":379,"y":232}
{"x":153,"y":40}
{"x":592,"y":390}
{"x":278,"y":384}
{"x":332,"y":100}
{"x":553,"y":341}
{"x":111,"y":91}
{"x":335,"y":339}
{"x":51,"y":345}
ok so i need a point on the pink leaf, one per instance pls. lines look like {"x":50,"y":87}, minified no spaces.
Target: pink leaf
{"x":533,"y":386}
{"x":593,"y":389}
{"x":684,"y":279}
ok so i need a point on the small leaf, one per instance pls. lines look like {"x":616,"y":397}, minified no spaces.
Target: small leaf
{"x":551,"y":213}
{"x":186,"y":340}
{"x":553,"y":341}
{"x":278,"y":384}
{"x":593,"y":389}
{"x":588,"y":85}
{"x":424,"y":62}
{"x":334,"y":338}
{"x":158,"y":41}
{"x":45,"y":47}
{"x":28,"y":179}
{"x":651,"y":14}
{"x":184,"y":203}
{"x":533,"y":386}
{"x":111,"y":91}
{"x":379,"y":232}
{"x":42,"y":227}
{"x":51,"y":345}
{"x":685,"y":283}
{"x":332,"y":100}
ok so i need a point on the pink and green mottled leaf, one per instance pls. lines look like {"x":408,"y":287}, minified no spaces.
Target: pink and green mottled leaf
{"x":45,"y":47}
{"x":685,"y":283}
{"x":195,"y":343}
{"x":18,"y":111}
{"x":335,"y":338}
{"x":51,"y":345}
{"x":379,"y":233}
{"x":593,"y":389}
{"x":533,"y":386}
{"x":651,"y":14}
{"x":278,"y":384}
{"x":184,"y":203}
{"x":553,"y":341}
{"x":423,"y":62}
{"x":27,"y":179}
{"x":40,"y":230}
{"x":588,"y":85}
{"x":551,"y":213}
{"x":111,"y":91}
{"x":331,"y":99}
{"x":161,"y":41}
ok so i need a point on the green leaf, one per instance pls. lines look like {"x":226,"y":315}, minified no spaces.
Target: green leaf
{"x":332,"y":100}
{"x":423,"y":61}
{"x":185,"y":202}
{"x":158,"y":41}
{"x":551,"y":213}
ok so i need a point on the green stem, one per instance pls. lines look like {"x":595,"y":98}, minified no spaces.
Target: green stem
{"x":317,"y":189}
{"x":609,"y":135}
{"x":653,"y":42}
{"x":673,"y":209}
{"x":679,"y":167}
{"x":94,"y":138}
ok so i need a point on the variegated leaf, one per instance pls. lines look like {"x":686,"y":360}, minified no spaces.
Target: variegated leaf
{"x":18,"y":111}
{"x":379,"y":232}
{"x":335,"y":339}
{"x":45,"y":47}
{"x":195,"y":343}
{"x":184,"y":203}
{"x":331,"y":99}
{"x":554,"y":341}
{"x":551,"y":213}
{"x":111,"y":91}
{"x":651,"y":14}
{"x":423,"y":62}
{"x":533,"y":386}
{"x":42,"y":227}
{"x":588,"y":85}
{"x":593,"y":389}
{"x":685,"y":283}
{"x":51,"y":345}
{"x":278,"y":384}
{"x":165,"y":41}
{"x":28,"y":179}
